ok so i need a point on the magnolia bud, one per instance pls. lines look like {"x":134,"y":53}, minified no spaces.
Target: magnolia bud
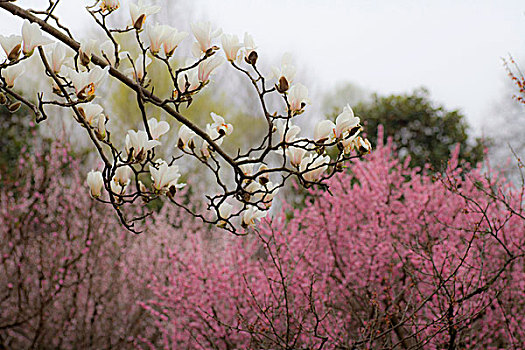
{"x":252,"y":58}
{"x":84,"y":59}
{"x":15,"y":53}
{"x":14,"y":106}
{"x":139,"y":22}
{"x":3,"y":99}
{"x":283,"y":85}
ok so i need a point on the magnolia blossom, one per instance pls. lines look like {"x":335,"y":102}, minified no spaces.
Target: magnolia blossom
{"x":317,"y":164}
{"x":345,"y":122}
{"x":107,"y":49}
{"x":220,"y":125}
{"x":252,"y":215}
{"x":116,"y":187}
{"x":91,"y":112}
{"x":32,"y":37}
{"x":215,"y":136}
{"x":363,"y":145}
{"x":109,"y":5}
{"x":139,"y":142}
{"x":157,"y":129}
{"x":86,"y":83}
{"x":165,"y":176}
{"x":156,"y":35}
{"x":225,"y":210}
{"x":231,"y":46}
{"x":100,"y":130}
{"x":11,"y":73}
{"x":246,"y":168}
{"x":287,"y":69}
{"x":188,"y":82}
{"x":296,"y":155}
{"x":123,"y":175}
{"x":172,"y":39}
{"x":139,"y":12}
{"x":95,"y":182}
{"x":11,"y":45}
{"x":297,"y":97}
{"x":59,"y":54}
{"x":204,"y":34}
{"x":287,"y":135}
{"x":323,"y":130}
{"x":186,"y":136}
{"x":249,"y":44}
{"x":262,"y":193}
{"x":207,"y":66}
{"x":139,"y":72}
{"x":87,"y":48}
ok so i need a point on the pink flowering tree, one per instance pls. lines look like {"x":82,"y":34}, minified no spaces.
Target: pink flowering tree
{"x":69,"y":274}
{"x":392,"y":259}
{"x":245,"y":180}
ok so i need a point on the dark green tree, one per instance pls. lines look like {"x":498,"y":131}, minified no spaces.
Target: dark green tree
{"x":420,"y":128}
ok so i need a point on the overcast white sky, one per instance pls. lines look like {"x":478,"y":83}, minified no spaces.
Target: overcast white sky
{"x":452,"y":47}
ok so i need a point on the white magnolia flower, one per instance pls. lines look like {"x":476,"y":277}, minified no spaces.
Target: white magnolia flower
{"x":363,"y":145}
{"x":252,"y":215}
{"x":157,"y":129}
{"x":138,"y":72}
{"x":287,"y":135}
{"x":188,"y":82}
{"x":59,"y":54}
{"x":172,"y":39}
{"x":296,"y":155}
{"x":101,"y":127}
{"x":32,"y":37}
{"x":220,"y":125}
{"x":156,"y":34}
{"x":12,"y":45}
{"x":297,"y":97}
{"x":225,"y":210}
{"x":95,"y":182}
{"x":138,"y":140}
{"x":123,"y":175}
{"x":207,"y":66}
{"x":246,"y":168}
{"x":91,"y":112}
{"x":345,"y":122}
{"x":165,"y":176}
{"x":231,"y":46}
{"x":287,"y":69}
{"x":314,"y":167}
{"x":323,"y":130}
{"x":11,"y":73}
{"x":109,"y":5}
{"x":215,"y":136}
{"x":249,"y":44}
{"x":117,"y":188}
{"x":186,"y":136}
{"x":86,"y":83}
{"x":107,"y":50}
{"x":139,"y":12}
{"x":204,"y":34}
{"x":87,"y":48}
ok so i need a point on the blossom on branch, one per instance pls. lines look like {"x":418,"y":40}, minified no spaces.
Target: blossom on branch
{"x":220,"y":125}
{"x":231,"y":46}
{"x":186,"y":136}
{"x":139,"y":12}
{"x":165,"y":177}
{"x":157,"y":129}
{"x":204,"y":34}
{"x":11,"y":73}
{"x":313,"y":167}
{"x":297,"y":98}
{"x":208,"y":66}
{"x":95,"y":182}
{"x":12,"y":45}
{"x":138,"y":144}
{"x":86,"y":83}
{"x":32,"y":37}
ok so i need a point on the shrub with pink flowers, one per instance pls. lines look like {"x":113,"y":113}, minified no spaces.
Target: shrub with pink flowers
{"x":393,"y":258}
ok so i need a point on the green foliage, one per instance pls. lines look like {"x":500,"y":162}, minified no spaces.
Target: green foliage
{"x":420,"y":129}
{"x":17,"y":130}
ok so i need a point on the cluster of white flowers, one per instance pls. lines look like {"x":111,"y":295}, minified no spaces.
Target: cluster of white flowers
{"x":134,"y":170}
